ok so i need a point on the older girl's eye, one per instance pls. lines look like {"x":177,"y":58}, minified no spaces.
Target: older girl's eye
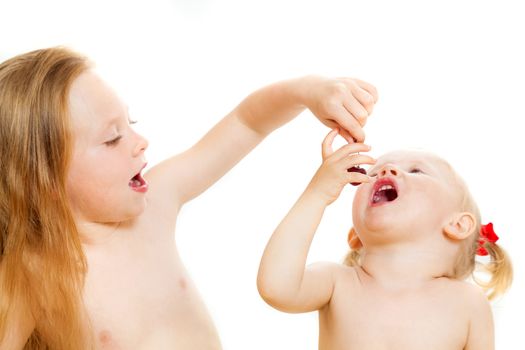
{"x":132,"y":121}
{"x":114,"y":141}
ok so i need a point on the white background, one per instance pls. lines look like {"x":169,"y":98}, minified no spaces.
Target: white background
{"x":451,"y":80}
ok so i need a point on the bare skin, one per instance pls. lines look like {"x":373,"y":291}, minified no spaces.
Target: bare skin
{"x":435,"y":314}
{"x":401,"y":295}
{"x":138,"y":294}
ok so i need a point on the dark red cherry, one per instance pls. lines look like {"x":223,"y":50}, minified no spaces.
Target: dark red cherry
{"x":356,"y":169}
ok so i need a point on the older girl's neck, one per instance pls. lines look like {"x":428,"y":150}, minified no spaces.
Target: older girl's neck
{"x":94,"y":233}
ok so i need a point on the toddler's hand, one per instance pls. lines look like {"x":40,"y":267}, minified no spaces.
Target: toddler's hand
{"x":342,"y":103}
{"x":333,"y":174}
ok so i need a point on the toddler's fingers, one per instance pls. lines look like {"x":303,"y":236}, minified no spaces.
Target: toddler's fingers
{"x":355,"y":178}
{"x":349,"y":149}
{"x":357,"y":159}
{"x":326,"y":147}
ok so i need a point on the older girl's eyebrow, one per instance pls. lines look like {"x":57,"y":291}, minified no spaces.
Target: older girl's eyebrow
{"x":108,"y":124}
{"x":115,"y":119}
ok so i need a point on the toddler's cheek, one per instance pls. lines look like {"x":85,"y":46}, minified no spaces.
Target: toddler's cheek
{"x":360,"y":197}
{"x":360,"y":200}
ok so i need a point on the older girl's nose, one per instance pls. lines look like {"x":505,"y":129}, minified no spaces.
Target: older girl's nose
{"x":141,"y":145}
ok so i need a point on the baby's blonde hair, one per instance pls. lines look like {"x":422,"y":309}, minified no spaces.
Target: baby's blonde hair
{"x":42,"y":265}
{"x":499,"y":267}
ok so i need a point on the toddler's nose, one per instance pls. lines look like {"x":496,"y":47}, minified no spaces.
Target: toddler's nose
{"x":388,"y":170}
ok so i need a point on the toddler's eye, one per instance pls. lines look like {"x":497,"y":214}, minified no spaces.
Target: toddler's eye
{"x":132,"y":121}
{"x":415,"y":171}
{"x":114,"y":141}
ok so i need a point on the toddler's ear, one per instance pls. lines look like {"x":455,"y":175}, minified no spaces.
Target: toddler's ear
{"x":353,"y":240}
{"x":460,"y":226}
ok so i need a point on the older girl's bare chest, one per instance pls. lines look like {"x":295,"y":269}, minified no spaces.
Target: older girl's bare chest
{"x":138,"y":294}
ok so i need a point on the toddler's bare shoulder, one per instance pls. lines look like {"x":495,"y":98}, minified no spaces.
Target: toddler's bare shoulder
{"x":465,"y":293}
{"x":342,"y":274}
{"x":339,"y":272}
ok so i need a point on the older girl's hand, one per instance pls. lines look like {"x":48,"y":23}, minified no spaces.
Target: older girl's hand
{"x":342,"y":103}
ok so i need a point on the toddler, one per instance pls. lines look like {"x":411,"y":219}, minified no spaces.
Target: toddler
{"x":415,"y":236}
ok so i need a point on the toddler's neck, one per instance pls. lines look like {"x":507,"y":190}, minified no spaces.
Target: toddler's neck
{"x":401,"y":267}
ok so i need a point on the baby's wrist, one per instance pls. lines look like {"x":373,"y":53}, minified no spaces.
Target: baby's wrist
{"x":316,"y":195}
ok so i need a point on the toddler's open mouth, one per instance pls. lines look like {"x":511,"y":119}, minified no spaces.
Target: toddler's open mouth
{"x":385,"y":191}
{"x":137,"y":182}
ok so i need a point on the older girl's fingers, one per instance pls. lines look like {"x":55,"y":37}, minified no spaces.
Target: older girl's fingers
{"x":365,"y":99}
{"x":368,"y":88}
{"x":326,"y":147}
{"x":346,"y":135}
{"x":348,"y":122}
{"x":356,"y":109}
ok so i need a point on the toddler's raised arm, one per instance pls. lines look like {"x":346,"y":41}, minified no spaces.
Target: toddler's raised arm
{"x":283,"y":281}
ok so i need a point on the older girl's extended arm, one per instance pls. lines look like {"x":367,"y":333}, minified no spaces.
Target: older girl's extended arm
{"x":336,"y":102}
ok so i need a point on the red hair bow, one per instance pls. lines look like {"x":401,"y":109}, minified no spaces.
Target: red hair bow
{"x":486,"y":234}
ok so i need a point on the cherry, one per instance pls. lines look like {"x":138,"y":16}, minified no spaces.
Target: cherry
{"x":356,"y":169}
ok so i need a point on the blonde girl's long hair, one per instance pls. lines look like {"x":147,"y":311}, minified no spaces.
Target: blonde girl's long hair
{"x":42,"y":265}
{"x":498,"y":268}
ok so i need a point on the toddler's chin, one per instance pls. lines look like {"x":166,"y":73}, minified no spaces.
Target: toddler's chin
{"x":375,"y":221}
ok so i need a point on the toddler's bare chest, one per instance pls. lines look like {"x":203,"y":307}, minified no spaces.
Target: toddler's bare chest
{"x":372,"y":320}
